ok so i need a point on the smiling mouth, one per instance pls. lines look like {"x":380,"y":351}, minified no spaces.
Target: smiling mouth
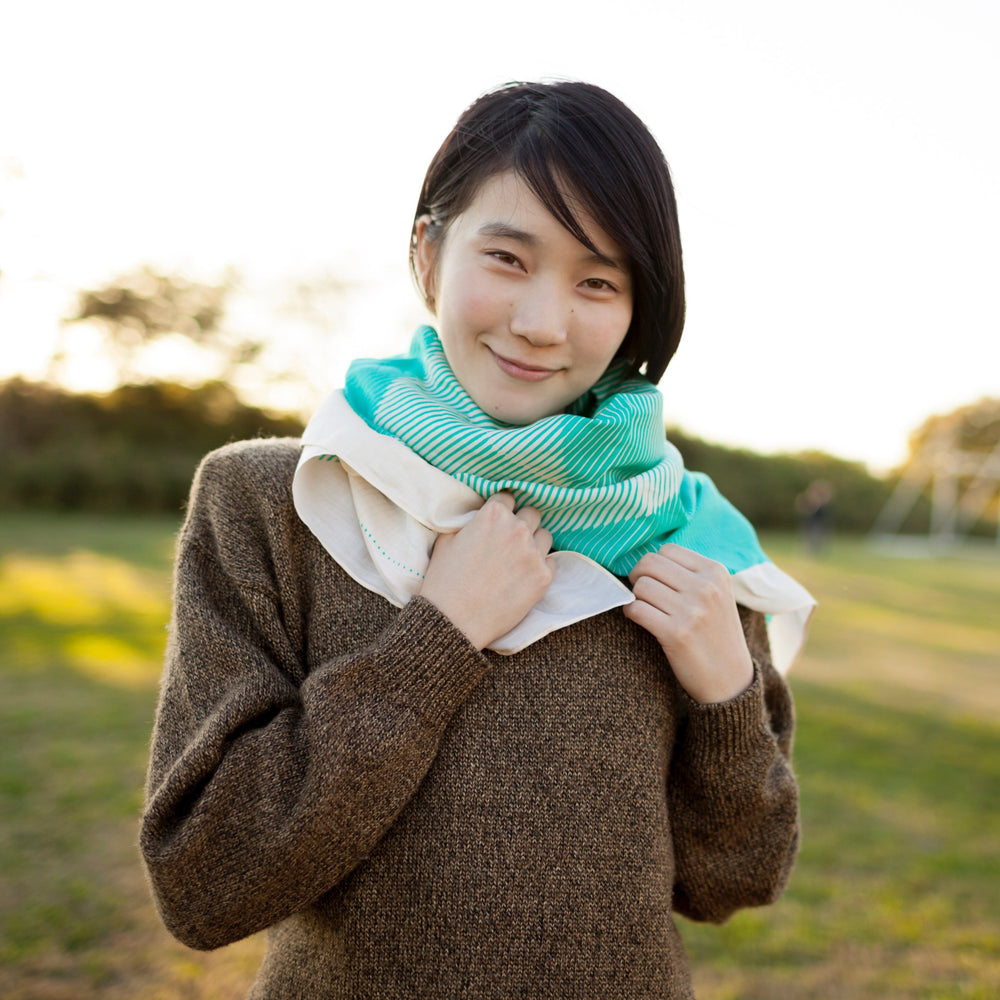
{"x":522,"y":371}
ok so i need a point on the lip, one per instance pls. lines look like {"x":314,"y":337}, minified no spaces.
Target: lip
{"x":521,"y":370}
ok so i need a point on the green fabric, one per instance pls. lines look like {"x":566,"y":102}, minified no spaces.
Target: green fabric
{"x":603,"y":475}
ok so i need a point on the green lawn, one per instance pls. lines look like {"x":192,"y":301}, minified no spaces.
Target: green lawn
{"x":897,"y":889}
{"x":898,"y":755}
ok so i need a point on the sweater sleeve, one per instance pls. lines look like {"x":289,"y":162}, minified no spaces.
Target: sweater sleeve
{"x":267,"y":785}
{"x":733,"y":796}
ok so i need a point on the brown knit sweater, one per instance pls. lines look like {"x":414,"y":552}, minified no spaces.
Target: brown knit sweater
{"x":413,"y":818}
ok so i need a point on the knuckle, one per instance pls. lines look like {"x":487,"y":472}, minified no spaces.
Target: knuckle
{"x":521,"y":532}
{"x":494,"y":508}
{"x":644,"y":566}
{"x":494,"y":516}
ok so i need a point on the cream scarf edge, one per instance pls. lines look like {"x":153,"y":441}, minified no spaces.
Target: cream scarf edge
{"x":377,"y":508}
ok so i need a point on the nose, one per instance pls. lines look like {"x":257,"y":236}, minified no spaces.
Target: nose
{"x":540,"y":314}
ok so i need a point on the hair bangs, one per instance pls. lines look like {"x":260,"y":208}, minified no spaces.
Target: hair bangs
{"x":551,"y":181}
{"x":588,"y":159}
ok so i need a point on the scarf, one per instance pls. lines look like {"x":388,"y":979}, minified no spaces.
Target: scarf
{"x":403,"y":453}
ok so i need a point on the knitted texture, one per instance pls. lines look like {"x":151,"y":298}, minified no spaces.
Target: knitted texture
{"x":413,"y":818}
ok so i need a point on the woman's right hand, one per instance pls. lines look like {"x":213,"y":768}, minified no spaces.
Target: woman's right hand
{"x":487,"y":576}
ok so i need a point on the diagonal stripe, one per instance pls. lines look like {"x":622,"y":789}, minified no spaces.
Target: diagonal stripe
{"x":608,"y":483}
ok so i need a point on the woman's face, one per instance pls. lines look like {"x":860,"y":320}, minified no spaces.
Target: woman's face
{"x":529,"y":318}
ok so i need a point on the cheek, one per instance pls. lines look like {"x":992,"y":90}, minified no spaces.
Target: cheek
{"x":606,"y":335}
{"x":471,"y":302}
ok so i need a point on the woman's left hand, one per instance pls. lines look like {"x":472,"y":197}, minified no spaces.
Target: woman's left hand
{"x":686,"y":602}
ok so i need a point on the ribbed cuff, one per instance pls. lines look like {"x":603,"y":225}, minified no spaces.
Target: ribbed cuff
{"x":728,"y":728}
{"x":436,"y":668}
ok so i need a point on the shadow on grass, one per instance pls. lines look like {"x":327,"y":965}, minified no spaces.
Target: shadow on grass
{"x":82,"y":632}
{"x":76,"y":919}
{"x":894,"y":890}
{"x":894,"y":894}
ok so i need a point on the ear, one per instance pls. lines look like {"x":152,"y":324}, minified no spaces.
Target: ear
{"x":425,"y":258}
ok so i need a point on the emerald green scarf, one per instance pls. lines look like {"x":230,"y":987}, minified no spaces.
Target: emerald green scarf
{"x":606,"y":481}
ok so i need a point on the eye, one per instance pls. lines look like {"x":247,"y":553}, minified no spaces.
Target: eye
{"x":599,"y":285}
{"x":504,"y":257}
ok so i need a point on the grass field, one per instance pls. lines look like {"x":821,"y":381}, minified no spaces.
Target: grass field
{"x":897,"y":890}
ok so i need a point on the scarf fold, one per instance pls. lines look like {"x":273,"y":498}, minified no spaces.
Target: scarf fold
{"x":403,"y":453}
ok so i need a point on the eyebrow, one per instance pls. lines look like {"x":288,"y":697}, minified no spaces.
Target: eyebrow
{"x":501,"y":229}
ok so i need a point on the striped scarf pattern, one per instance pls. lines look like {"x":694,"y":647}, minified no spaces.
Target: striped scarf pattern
{"x":605,"y":479}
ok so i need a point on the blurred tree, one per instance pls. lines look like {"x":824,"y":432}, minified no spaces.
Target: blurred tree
{"x":953,"y":463}
{"x":971,"y":428}
{"x":766,"y":488}
{"x":143,"y":306}
{"x":134,"y":448}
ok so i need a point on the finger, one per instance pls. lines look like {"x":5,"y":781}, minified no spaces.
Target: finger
{"x":704,"y":572}
{"x":650,"y":618}
{"x":531,"y":516}
{"x":659,"y":595}
{"x":504,"y":499}
{"x":690,"y":560}
{"x":543,"y":541}
{"x":662,"y":568}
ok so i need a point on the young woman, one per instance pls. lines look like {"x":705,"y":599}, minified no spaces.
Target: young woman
{"x":472,"y":687}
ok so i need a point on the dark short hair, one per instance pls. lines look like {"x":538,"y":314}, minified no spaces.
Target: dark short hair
{"x":577,"y":136}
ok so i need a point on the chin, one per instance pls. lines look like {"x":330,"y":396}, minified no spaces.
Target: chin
{"x":518,"y":408}
{"x":521,"y":416}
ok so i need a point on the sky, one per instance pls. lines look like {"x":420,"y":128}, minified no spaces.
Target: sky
{"x":836,"y":170}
